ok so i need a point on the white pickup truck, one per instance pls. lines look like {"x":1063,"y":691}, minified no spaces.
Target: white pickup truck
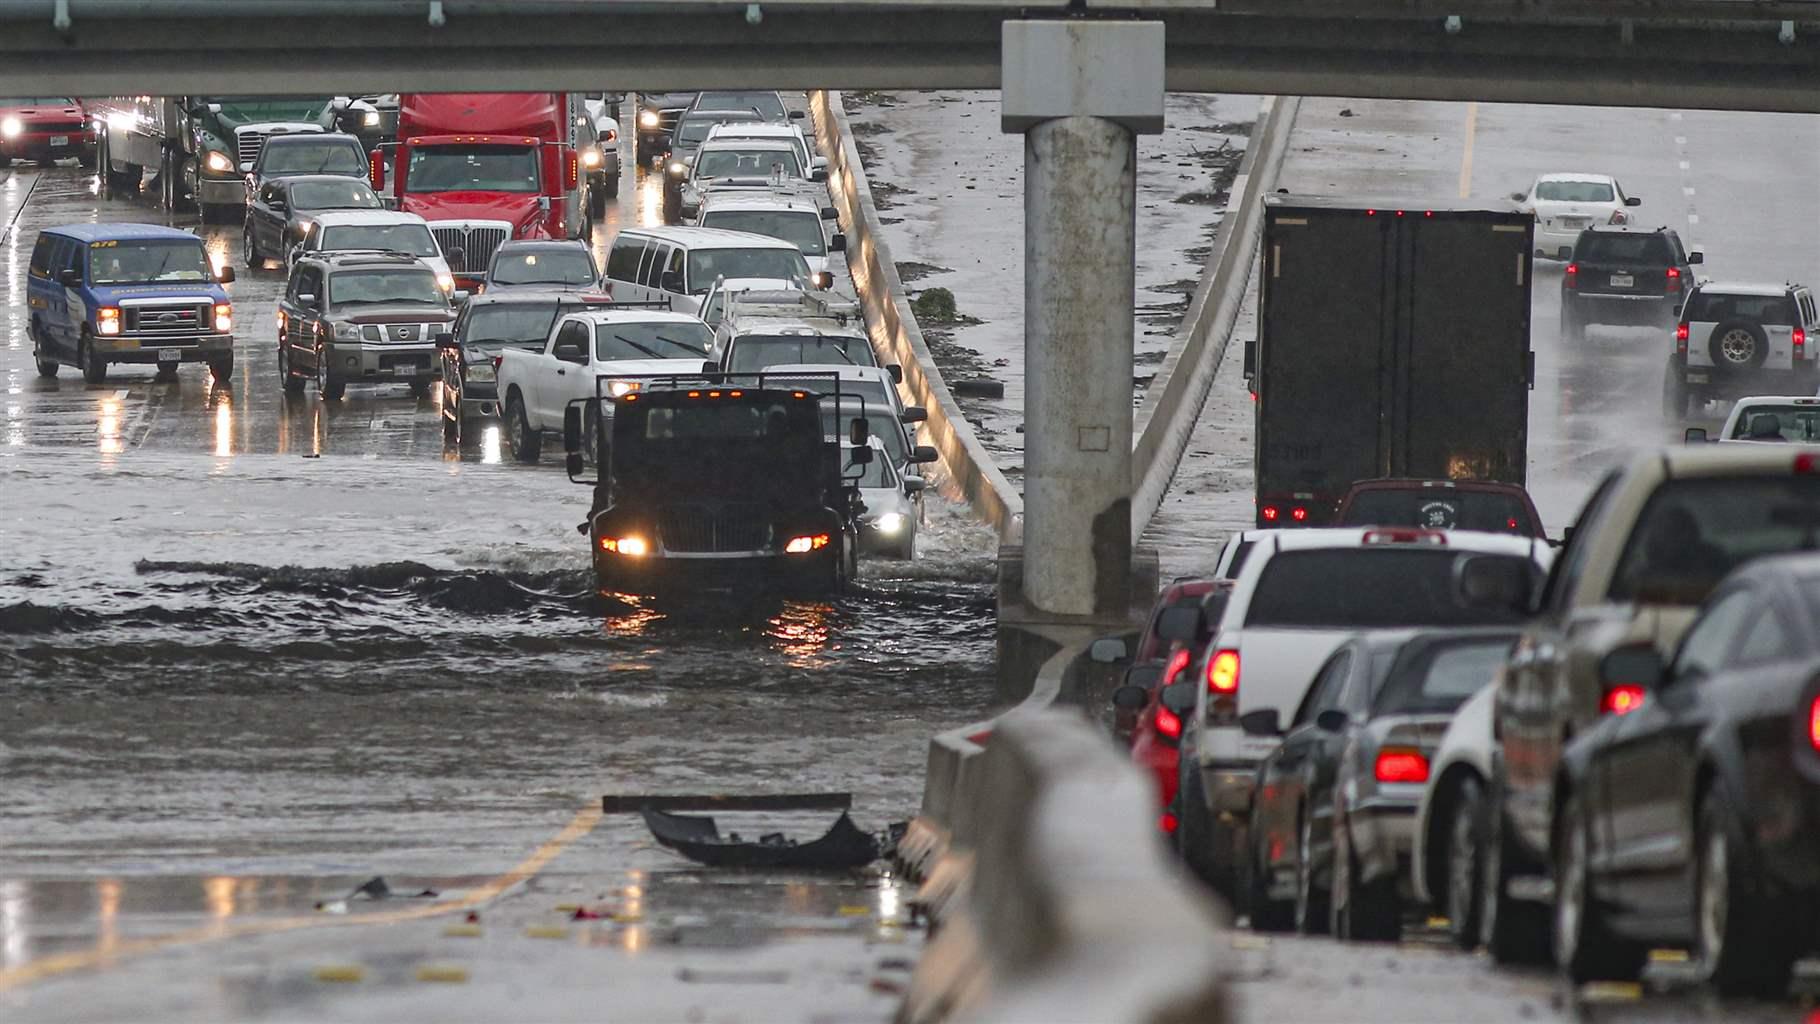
{"x":536,"y":387}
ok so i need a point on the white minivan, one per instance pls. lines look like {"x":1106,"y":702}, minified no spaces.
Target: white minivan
{"x":682,"y":263}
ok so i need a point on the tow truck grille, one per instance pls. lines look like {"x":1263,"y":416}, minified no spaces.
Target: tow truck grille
{"x":476,"y":245}
{"x":701,"y":528}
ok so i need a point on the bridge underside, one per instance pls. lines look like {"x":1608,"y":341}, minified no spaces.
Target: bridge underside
{"x":1723,"y":54}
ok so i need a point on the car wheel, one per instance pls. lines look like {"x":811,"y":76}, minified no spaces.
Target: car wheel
{"x":287,"y":377}
{"x":47,"y":367}
{"x":526,"y":444}
{"x":1312,"y":912}
{"x":1266,"y":914}
{"x":94,"y":368}
{"x":612,"y":189}
{"x":1737,"y":346}
{"x":1585,"y":949}
{"x":1465,"y":863}
{"x":1741,"y":948}
{"x":328,"y":386}
{"x":1363,"y":911}
{"x":249,"y":249}
{"x":222,"y":369}
{"x":1192,"y":834}
{"x":1512,"y":931}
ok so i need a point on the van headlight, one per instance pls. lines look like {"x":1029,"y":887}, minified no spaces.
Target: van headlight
{"x":217,"y":161}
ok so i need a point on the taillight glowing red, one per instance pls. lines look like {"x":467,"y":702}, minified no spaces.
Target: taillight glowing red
{"x":1813,"y":724}
{"x":1681,"y":332}
{"x":1269,"y":513}
{"x":1804,"y":463}
{"x":1223,"y":672}
{"x":1177,"y":662}
{"x":1299,"y":514}
{"x":1402,"y":766}
{"x":1168,"y":724}
{"x":1511,"y":523}
{"x":1800,"y":339}
{"x":1572,"y":278}
{"x":1674,"y":279}
{"x":1167,"y":823}
{"x":1622,"y":699}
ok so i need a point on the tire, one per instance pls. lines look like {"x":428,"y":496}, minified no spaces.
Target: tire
{"x":612,"y":189}
{"x":328,"y":386}
{"x":1585,"y":949}
{"x":287,"y":378}
{"x":1362,"y":912}
{"x":1465,"y":864}
{"x":1737,"y":346}
{"x":1313,"y":904}
{"x":1741,"y":943}
{"x":597,"y":201}
{"x":94,"y":371}
{"x":222,"y":369}
{"x":1512,"y":931}
{"x":526,"y":444}
{"x":249,"y":249}
{"x":1193,"y":832}
{"x":1267,"y":914}
{"x":48,"y":368}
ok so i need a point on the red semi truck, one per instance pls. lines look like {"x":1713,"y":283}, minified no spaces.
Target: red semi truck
{"x":486,"y":167}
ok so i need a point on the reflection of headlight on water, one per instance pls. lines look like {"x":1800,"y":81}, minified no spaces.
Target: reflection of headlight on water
{"x":890,"y":522}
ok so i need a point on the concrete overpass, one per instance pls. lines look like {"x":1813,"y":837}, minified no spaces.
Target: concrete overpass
{"x":1743,"y":54}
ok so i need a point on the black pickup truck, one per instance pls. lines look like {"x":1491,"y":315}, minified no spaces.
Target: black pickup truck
{"x":721,"y":482}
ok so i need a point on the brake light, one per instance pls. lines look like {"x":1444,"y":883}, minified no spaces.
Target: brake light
{"x":1401,"y":765}
{"x":1432,"y":538}
{"x":1674,"y":279}
{"x":1298,"y":513}
{"x":1168,"y":724}
{"x":1619,"y":217}
{"x":1621,"y":699}
{"x":1571,"y":278}
{"x":1269,"y":512}
{"x":1813,"y":724}
{"x":1800,"y":339}
{"x":1804,"y":463}
{"x":1680,"y":337}
{"x":1167,"y":823}
{"x":1511,"y":523}
{"x":1177,"y":662}
{"x":1223,"y":672}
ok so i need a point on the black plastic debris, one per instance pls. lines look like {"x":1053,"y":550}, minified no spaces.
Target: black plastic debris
{"x":842,"y":847}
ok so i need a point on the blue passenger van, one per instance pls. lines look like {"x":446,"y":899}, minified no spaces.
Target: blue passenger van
{"x":128,"y":293}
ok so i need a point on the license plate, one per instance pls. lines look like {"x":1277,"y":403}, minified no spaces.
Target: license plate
{"x":1622,"y":281}
{"x":1696,"y":378}
{"x":1573,"y":222}
{"x":169,"y":355}
{"x":60,"y":140}
{"x":404,"y":371}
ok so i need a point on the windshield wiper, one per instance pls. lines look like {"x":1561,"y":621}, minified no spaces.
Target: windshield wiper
{"x":685,"y":346}
{"x":633,"y":344}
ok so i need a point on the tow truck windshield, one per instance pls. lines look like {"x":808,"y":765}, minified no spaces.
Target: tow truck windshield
{"x":409,"y":238}
{"x":672,"y":340}
{"x":802,"y":229}
{"x":472,"y":169}
{"x":148,"y":261}
{"x":404,"y":287}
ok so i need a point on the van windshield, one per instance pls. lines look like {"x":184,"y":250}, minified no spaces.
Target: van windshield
{"x":176,"y":259}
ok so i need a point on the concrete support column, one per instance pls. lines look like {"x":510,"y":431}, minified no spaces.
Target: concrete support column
{"x":1080,"y":92}
{"x":1080,"y":234}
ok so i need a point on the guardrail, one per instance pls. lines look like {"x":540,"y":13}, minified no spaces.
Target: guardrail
{"x":1173,"y":402}
{"x":970,"y":474}
{"x":1040,"y":860}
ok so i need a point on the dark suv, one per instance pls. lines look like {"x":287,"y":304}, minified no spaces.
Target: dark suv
{"x":1623,"y":277}
{"x":490,"y":322}
{"x":360,"y":316}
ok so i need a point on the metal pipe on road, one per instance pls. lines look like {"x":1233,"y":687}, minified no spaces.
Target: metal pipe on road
{"x":1080,"y":236}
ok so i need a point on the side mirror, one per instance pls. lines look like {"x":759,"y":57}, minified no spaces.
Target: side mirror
{"x":914,"y":484}
{"x":797,"y":115}
{"x":278,"y":205}
{"x":818,"y":174}
{"x":1130,"y":698}
{"x":1262,"y":722}
{"x":671,"y":281}
{"x":1493,"y":582}
{"x":445,"y":340}
{"x":246,"y":167}
{"x":70,"y":277}
{"x":1633,"y":665}
{"x":1694,"y":435}
{"x":830,"y":213}
{"x":1180,"y":697}
{"x":307,"y":299}
{"x":571,"y":430}
{"x":822,"y":280}
{"x":896,"y":372}
{"x":914,"y":414}
{"x":862,"y":456}
{"x":1633,"y":201}
{"x":923,"y":454}
{"x":860,"y":432}
{"x":1331,"y":720}
{"x":1181,"y":624}
{"x":225,"y":275}
{"x":1108,"y":650}
{"x":570,"y":352}
{"x":1517,"y":197}
{"x":213,"y":108}
{"x":710,"y":366}
{"x":1696,"y":257}
{"x":575,"y":463}
{"x":458,"y":296}
{"x":838,"y":243}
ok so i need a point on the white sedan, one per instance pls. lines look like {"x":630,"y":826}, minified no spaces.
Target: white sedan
{"x":1567,"y":204}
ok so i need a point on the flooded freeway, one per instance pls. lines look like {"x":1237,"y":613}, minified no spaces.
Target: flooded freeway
{"x":256,"y":649}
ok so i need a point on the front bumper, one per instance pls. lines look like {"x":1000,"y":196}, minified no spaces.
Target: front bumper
{"x":38,"y":145}
{"x":479,"y":400}
{"x":132,"y":350}
{"x":742,"y":570}
{"x":223,"y":191}
{"x":361,"y":361}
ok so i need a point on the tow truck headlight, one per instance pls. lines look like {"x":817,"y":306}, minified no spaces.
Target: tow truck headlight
{"x":11,"y":127}
{"x":650,"y":119}
{"x":224,"y":317}
{"x":890,"y":522}
{"x":446,"y":282}
{"x":804,"y":545}
{"x":217,"y":161}
{"x":622,"y":388}
{"x":107,"y":320}
{"x":631,"y":547}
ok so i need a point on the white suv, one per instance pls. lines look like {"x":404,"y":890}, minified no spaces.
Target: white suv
{"x":1299,"y":595}
{"x":1732,"y":337}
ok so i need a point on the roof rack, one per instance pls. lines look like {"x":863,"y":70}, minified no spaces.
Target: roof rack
{"x":802,"y":302}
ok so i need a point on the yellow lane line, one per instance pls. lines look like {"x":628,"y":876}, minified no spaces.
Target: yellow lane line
{"x":1472,"y":128}
{"x":37,"y":970}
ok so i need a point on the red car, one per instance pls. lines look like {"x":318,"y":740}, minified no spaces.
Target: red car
{"x":1441,"y":505}
{"x":45,"y":128}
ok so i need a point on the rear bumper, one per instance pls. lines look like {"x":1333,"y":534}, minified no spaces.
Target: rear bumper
{"x":1596,"y":308}
{"x":1229,"y":786}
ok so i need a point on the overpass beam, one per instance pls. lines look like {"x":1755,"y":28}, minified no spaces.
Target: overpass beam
{"x":1080,"y":92}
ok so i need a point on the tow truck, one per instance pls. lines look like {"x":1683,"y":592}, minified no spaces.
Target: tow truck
{"x":720,"y":481}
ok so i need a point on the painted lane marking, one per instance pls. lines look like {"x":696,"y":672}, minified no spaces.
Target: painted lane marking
{"x":37,"y":970}
{"x":1472,"y":127}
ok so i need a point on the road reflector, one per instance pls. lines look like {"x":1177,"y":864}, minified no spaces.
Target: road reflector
{"x":453,"y":975}
{"x":1611,"y":992}
{"x":1438,"y":922}
{"x":540,"y":932}
{"x":855,"y":911}
{"x":1668,"y":956}
{"x":462,"y":931}
{"x":342,"y":974}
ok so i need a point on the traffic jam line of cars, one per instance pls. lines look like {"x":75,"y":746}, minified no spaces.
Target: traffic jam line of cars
{"x":472,"y":271}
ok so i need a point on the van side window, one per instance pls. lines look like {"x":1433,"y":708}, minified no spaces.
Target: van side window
{"x":622,"y":260}
{"x":73,"y":251}
{"x":676,"y":268}
{"x":41,"y":256}
{"x":654,"y":269}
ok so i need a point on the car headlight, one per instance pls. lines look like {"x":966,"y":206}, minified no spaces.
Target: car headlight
{"x":677,"y":169}
{"x":370,"y":119}
{"x":347,"y":332}
{"x":11,"y":127}
{"x":217,"y":162}
{"x":481,"y":373}
{"x":224,"y":317}
{"x":622,"y":388}
{"x":590,"y":158}
{"x":890,"y":522}
{"x":650,"y":119}
{"x":446,"y":282}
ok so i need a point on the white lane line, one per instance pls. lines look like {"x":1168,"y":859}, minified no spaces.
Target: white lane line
{"x":1693,"y":218}
{"x":1680,"y":140}
{"x":1684,"y":165}
{"x":1676,"y":116}
{"x":1687,"y":190}
{"x":1472,"y":129}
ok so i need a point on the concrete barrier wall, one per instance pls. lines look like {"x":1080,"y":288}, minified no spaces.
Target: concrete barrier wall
{"x":968,"y":472}
{"x":1174,"y":399}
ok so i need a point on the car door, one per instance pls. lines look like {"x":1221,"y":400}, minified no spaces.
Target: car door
{"x":1646,"y":768}
{"x":270,"y":212}
{"x":306,"y":328}
{"x":562,"y":380}
{"x":1301,"y":746}
{"x":68,"y":307}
